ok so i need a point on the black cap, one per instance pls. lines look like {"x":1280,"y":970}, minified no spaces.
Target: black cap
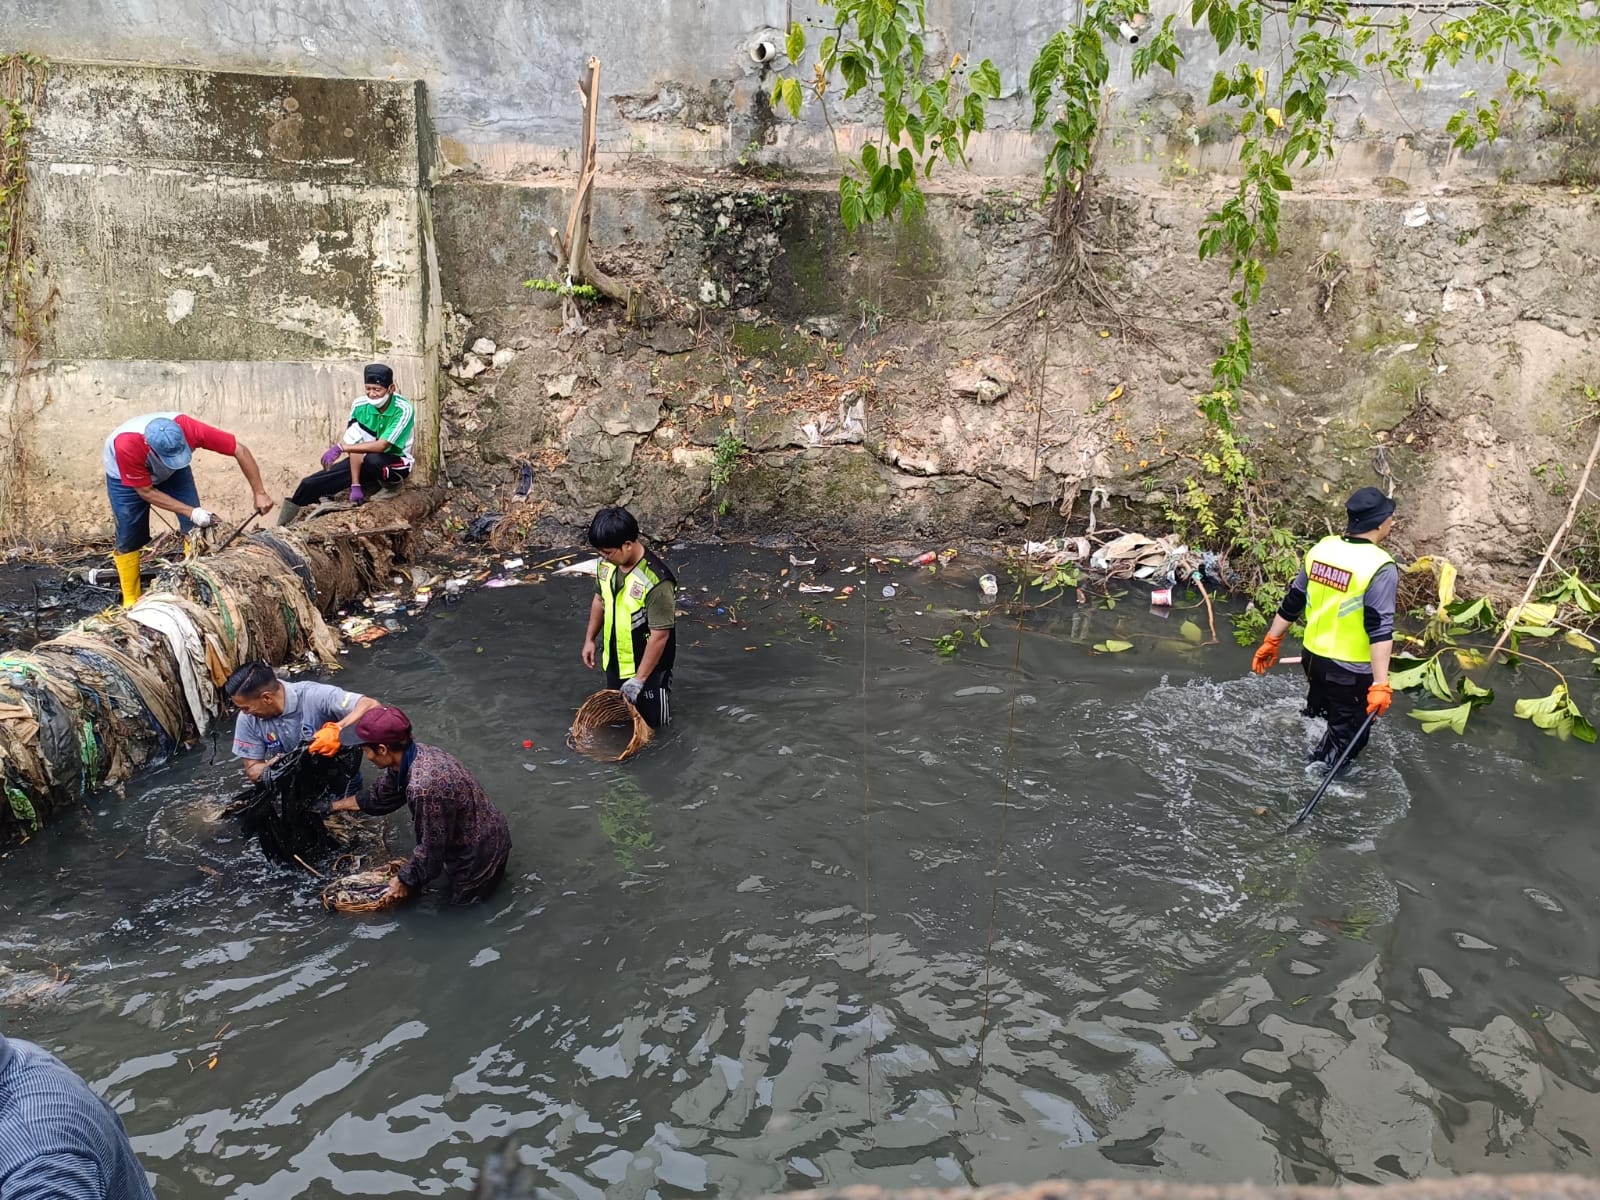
{"x":1366,"y":509}
{"x":379,"y":374}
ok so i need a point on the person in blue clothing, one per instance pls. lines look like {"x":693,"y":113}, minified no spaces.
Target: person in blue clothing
{"x":58,"y":1140}
{"x":280,"y":715}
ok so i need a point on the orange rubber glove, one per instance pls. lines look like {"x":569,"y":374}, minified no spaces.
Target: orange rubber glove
{"x":326,"y":740}
{"x":1378,"y":697}
{"x":1266,"y":654}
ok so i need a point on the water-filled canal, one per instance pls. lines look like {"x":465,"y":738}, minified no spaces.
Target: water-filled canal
{"x":671,"y":994}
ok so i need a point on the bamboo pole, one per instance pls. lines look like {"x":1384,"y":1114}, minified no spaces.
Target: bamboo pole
{"x":579,"y":265}
{"x":1565,"y":527}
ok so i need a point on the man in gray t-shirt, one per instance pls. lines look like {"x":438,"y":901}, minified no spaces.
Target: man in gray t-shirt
{"x":280,"y":715}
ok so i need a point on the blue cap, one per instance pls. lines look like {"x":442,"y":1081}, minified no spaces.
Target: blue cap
{"x":167,"y":443}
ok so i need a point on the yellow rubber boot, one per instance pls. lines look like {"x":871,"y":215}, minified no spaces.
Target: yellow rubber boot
{"x":128,"y":573}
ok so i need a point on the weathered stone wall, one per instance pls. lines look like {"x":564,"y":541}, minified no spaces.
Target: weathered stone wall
{"x":1443,"y":337}
{"x":233,"y":246}
{"x":680,"y":83}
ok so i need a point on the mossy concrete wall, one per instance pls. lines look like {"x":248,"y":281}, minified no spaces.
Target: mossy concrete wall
{"x":1440,"y":338}
{"x":232,"y":246}
{"x":680,"y":83}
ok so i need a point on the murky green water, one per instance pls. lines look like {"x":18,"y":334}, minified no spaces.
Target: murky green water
{"x":672,"y":995}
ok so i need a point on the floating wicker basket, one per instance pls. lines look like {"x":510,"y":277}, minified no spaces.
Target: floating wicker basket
{"x":362,"y":891}
{"x":609,"y":729}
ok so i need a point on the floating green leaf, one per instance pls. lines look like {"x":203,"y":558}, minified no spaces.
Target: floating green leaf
{"x":1576,"y":640}
{"x":1477,"y":613}
{"x":1437,"y":683}
{"x":1191,"y":632}
{"x":1531,"y":614}
{"x":1573,"y":590}
{"x":1447,"y":584}
{"x":1476,"y":694}
{"x":1410,"y":676}
{"x":1435,"y":719}
{"x":1557,"y":714}
{"x":1113,"y":646}
{"x":1537,"y":708}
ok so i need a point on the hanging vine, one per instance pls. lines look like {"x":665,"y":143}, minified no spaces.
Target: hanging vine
{"x":25,"y":314}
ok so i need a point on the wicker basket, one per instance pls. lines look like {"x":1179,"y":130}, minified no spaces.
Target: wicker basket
{"x":362,"y":891}
{"x":609,"y":729}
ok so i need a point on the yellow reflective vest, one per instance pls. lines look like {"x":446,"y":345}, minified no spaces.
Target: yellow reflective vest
{"x":1337,"y":574}
{"x":627,"y":625}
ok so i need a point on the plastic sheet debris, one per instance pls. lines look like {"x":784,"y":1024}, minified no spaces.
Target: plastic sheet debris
{"x":363,"y":631}
{"x":1058,"y":550}
{"x":1130,"y":552}
{"x":198,"y":646}
{"x":814,"y":588}
{"x":589,"y":566}
{"x":848,"y":422}
{"x":479,"y":528}
{"x":524,"y":484}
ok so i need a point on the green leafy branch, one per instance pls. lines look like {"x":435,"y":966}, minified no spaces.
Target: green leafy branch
{"x":949,"y":644}
{"x":1224,"y":503}
{"x":929,"y":111}
{"x":1556,"y":713}
{"x":1286,"y":121}
{"x":1067,"y":84}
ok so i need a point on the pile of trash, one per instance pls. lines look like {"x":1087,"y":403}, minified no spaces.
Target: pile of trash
{"x":1162,"y":561}
{"x":127,"y":688}
{"x":115,"y":692}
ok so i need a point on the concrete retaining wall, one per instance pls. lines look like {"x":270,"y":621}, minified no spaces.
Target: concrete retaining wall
{"x":680,"y":83}
{"x":233,"y":246}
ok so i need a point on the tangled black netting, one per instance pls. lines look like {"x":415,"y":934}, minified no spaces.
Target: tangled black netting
{"x":283,"y":808}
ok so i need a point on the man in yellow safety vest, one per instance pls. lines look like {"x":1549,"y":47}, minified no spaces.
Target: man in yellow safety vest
{"x":1346,"y":592}
{"x":633,"y":617}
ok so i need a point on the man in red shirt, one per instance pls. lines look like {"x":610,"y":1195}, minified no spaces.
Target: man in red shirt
{"x":146,"y":462}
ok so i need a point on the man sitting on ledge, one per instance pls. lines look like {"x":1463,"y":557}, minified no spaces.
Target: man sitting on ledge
{"x":377,"y":442}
